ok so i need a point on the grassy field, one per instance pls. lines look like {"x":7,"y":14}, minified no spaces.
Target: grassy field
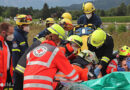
{"x":120,"y":39}
{"x":116,"y":19}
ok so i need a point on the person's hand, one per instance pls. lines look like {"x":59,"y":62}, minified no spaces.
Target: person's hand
{"x":97,"y":71}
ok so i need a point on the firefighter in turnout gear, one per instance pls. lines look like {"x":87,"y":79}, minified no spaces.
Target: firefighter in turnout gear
{"x":89,"y":17}
{"x":102,"y":44}
{"x":20,"y":43}
{"x":49,"y":22}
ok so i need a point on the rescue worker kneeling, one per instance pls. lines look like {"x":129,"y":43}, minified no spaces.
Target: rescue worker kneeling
{"x":45,"y":60}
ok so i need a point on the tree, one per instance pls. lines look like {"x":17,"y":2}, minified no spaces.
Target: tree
{"x":56,"y":12}
{"x":128,"y":10}
{"x":102,"y":13}
{"x":45,"y":11}
{"x":121,"y":10}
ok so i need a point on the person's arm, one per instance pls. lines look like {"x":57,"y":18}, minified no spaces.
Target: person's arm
{"x":16,"y":53}
{"x":107,"y":56}
{"x":40,"y":35}
{"x":64,"y":66}
{"x":21,"y":65}
{"x":97,"y":21}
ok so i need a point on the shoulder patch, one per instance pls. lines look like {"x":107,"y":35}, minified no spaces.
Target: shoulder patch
{"x":15,"y":45}
{"x":39,"y":51}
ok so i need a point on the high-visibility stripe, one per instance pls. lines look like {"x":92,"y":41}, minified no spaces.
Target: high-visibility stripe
{"x":1,"y":84}
{"x":116,"y":61}
{"x":106,"y":59}
{"x":110,"y":65}
{"x":37,"y":63}
{"x":22,"y":43}
{"x":38,"y":77}
{"x":52,"y":56}
{"x":36,"y":38}
{"x":37,"y":85}
{"x":112,"y":70}
{"x":64,"y":37}
{"x":90,"y":74}
{"x":71,"y":74}
{"x":75,"y":78}
{"x":16,"y":50}
{"x":47,"y":64}
{"x":20,"y":68}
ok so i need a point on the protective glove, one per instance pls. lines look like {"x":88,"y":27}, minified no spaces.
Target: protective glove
{"x":120,"y":68}
{"x":97,"y":71}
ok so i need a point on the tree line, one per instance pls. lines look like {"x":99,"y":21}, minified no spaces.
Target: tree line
{"x":45,"y":12}
{"x":56,"y":12}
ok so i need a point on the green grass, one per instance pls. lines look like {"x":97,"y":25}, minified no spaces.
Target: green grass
{"x":116,"y":19}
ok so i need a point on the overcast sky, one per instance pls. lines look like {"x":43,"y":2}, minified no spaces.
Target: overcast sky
{"x":39,"y":3}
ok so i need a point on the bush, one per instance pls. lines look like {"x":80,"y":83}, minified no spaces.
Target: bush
{"x":111,"y":29}
{"x":121,"y":28}
{"x":1,"y":19}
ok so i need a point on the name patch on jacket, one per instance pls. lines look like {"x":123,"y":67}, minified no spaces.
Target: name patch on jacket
{"x":40,"y":51}
{"x":15,"y":45}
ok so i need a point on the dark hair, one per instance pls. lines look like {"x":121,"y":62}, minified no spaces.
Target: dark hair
{"x":4,"y":26}
{"x":120,"y":59}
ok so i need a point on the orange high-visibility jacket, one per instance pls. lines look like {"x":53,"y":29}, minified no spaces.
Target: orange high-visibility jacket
{"x":112,"y":67}
{"x":42,"y":64}
{"x":4,"y":56}
{"x":83,"y":74}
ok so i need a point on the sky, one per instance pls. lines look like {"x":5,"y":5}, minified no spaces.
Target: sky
{"x":37,"y":4}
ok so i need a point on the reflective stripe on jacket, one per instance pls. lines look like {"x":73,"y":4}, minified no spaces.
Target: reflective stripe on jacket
{"x":20,"y":45}
{"x":42,"y":65}
{"x":112,"y":67}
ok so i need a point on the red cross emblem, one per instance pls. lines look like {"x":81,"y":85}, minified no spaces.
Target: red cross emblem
{"x":40,"y":50}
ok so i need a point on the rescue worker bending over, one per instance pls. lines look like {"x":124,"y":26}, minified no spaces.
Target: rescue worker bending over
{"x":20,"y":43}
{"x":89,"y":17}
{"x":49,"y":22}
{"x":71,"y":45}
{"x":6,"y":67}
{"x":102,"y":44}
{"x":44,"y":61}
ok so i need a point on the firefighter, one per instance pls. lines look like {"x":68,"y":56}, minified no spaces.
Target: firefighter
{"x":49,"y":22}
{"x":6,"y":67}
{"x":89,"y":17}
{"x":67,"y":25}
{"x":45,"y":60}
{"x":66,"y":15}
{"x":102,"y":44}
{"x":20,"y":43}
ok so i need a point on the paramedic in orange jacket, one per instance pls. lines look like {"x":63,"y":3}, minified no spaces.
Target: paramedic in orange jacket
{"x":45,"y":60}
{"x":6,"y":69}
